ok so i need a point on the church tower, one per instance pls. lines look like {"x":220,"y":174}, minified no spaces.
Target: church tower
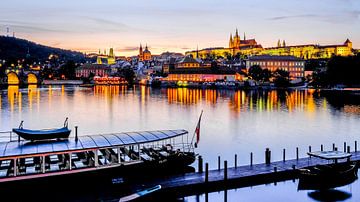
{"x":284,"y":44}
{"x":237,"y":41}
{"x":141,"y":53}
{"x":231,"y":45}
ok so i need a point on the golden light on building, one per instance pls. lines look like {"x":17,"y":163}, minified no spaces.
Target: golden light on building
{"x":32,"y":79}
{"x":13,"y":78}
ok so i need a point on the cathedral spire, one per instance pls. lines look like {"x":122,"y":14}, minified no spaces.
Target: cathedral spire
{"x":244,"y":36}
{"x":279,"y":43}
{"x":237,"y":33}
{"x":284,"y":44}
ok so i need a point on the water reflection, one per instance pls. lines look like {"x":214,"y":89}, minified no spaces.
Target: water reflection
{"x":309,"y":101}
{"x":330,"y":195}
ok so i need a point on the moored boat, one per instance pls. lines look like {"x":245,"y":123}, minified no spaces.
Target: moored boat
{"x":44,"y":134}
{"x":327,"y":176}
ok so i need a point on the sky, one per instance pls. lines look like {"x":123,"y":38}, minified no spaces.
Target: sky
{"x":178,"y":25}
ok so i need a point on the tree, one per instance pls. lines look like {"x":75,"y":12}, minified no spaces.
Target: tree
{"x":128,"y":74}
{"x":68,"y":69}
{"x":281,"y":78}
{"x":266,"y":75}
{"x":256,"y":73}
{"x":214,"y":66}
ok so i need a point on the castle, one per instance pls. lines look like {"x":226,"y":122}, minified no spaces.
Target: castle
{"x":249,"y":47}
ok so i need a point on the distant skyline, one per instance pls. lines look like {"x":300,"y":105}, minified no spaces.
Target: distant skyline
{"x":179,"y":26}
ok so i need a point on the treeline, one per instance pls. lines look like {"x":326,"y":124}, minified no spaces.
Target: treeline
{"x":280,"y":77}
{"x":339,"y":71}
{"x":14,"y":49}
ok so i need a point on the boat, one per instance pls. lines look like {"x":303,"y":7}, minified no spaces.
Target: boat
{"x":140,"y":194}
{"x":106,"y":162}
{"x":44,"y":134}
{"x":328,"y":176}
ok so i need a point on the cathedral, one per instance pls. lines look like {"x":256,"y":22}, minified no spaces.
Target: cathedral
{"x":144,"y":55}
{"x":236,"y":42}
{"x":106,"y":59}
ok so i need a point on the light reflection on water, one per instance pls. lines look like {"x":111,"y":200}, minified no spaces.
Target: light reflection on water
{"x":233,"y":122}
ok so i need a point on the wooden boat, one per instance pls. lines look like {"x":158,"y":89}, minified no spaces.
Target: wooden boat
{"x":322,"y":177}
{"x":139,"y":194}
{"x":45,"y":134}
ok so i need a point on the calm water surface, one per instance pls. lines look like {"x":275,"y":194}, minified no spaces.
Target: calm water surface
{"x":234,"y":122}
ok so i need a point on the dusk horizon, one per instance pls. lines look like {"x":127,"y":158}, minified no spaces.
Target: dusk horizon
{"x":179,"y":26}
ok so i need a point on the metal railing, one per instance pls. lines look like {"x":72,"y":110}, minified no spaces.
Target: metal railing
{"x":9,"y":136}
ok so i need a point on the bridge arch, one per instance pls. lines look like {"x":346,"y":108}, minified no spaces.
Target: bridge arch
{"x":13,"y":78}
{"x":32,"y":79}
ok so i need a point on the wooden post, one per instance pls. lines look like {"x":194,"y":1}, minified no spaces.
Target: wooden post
{"x":283,"y":155}
{"x":235,"y":160}
{"x":119,"y":155}
{"x":206,"y":172}
{"x":293,"y":167}
{"x":297,"y":153}
{"x":355,"y":146}
{"x":15,"y":167}
{"x":76,"y":134}
{"x":218,"y":162}
{"x":309,"y":148}
{"x":225,"y":170}
{"x":251,"y":159}
{"x":96,"y":159}
{"x":43,"y":164}
{"x":267,"y":156}
{"x":348,"y":149}
{"x":200,"y":166}
{"x":333,"y":147}
{"x":275,"y":169}
{"x":70,"y":161}
{"x":344,"y":147}
{"x":322,"y":148}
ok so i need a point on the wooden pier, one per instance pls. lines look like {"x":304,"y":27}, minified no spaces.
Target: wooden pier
{"x":205,"y":181}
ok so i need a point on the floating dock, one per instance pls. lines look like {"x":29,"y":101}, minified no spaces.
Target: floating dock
{"x":236,"y":177}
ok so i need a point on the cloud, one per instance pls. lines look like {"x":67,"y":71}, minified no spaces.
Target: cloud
{"x":127,"y":49}
{"x":293,"y":16}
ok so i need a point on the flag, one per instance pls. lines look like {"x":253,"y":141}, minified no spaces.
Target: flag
{"x":197,"y":131}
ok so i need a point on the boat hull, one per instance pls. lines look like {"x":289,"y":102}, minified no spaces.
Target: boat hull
{"x":317,"y":178}
{"x":36,"y":135}
{"x":105,"y":181}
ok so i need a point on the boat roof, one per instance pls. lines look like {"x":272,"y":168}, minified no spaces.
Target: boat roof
{"x":329,"y":155}
{"x":88,"y":142}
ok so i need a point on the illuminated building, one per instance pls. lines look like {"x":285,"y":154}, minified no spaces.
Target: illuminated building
{"x":295,"y":66}
{"x":144,"y":55}
{"x":106,"y":59}
{"x":96,"y":69}
{"x":250,"y":47}
{"x":311,"y":51}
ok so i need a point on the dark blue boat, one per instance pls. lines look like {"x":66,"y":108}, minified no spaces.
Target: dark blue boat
{"x":46,"y":134}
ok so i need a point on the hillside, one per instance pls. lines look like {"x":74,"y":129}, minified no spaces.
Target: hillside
{"x":12,"y":49}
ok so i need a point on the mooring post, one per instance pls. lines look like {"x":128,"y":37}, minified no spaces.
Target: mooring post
{"x":322,"y":148}
{"x":293,"y":167}
{"x":335,"y":149}
{"x":283,"y":155}
{"x":344,"y":146}
{"x":348,"y":149}
{"x":76,"y":133}
{"x":218,"y":162}
{"x":333,"y":146}
{"x":297,"y":153}
{"x":225,"y":170}
{"x":355,"y":146}
{"x":235,"y":160}
{"x":275,"y":169}
{"x":251,"y":158}
{"x":267,"y":156}
{"x":206,"y":172}
{"x":200,"y":166}
{"x":309,"y":148}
